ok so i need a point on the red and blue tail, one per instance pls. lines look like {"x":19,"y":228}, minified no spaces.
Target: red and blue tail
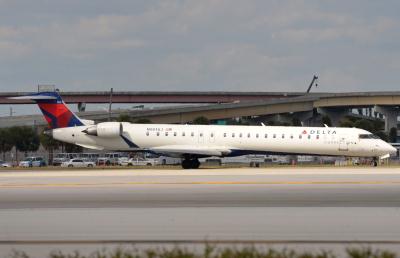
{"x":56,"y":113}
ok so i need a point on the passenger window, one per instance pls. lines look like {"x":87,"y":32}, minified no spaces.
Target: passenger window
{"x":174,"y":133}
{"x":317,"y":137}
{"x":291,"y":136}
{"x":240,"y":135}
{"x":274,"y":136}
{"x":158,"y":133}
{"x":300,"y":136}
{"x":256,"y":135}
{"x":183,"y":133}
{"x":283,"y":136}
{"x":166,"y":133}
{"x":224,"y":134}
{"x":212,"y":134}
{"x":147,"y":133}
{"x":266,"y":135}
{"x":309,"y":136}
{"x":201,"y":134}
{"x":233,"y":135}
{"x":248,"y":135}
{"x":192,"y":134}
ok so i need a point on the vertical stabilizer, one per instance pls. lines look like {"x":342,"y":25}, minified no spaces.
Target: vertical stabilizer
{"x":55,"y":111}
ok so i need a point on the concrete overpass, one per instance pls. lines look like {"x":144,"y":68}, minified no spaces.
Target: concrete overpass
{"x":156,"y":96}
{"x":336,"y":105}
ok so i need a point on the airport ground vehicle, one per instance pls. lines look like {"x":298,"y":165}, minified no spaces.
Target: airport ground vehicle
{"x":62,"y":157}
{"x":4,"y":164}
{"x":139,"y":162}
{"x":78,"y":163}
{"x":123,"y":161}
{"x":32,"y":162}
{"x":111,"y":158}
{"x":163,"y":160}
{"x":103,"y":161}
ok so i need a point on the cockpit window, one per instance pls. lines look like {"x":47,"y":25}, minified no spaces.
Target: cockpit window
{"x":368,"y":136}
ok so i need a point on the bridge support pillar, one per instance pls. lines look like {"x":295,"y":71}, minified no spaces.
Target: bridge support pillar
{"x":306,"y":118}
{"x":81,"y":106}
{"x":335,"y":114}
{"x":391,"y":114}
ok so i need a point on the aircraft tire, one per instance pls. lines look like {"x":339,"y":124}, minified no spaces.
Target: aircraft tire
{"x":186,"y":164}
{"x":190,"y":163}
{"x":195,"y":163}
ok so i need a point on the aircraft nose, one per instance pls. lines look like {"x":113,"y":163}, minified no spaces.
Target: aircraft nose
{"x":391,"y":149}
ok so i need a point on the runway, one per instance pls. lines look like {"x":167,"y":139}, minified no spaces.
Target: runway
{"x":276,"y":204}
{"x":286,"y":187}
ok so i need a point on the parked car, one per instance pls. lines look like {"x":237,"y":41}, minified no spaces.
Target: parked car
{"x":4,"y":164}
{"x":140,"y":162}
{"x":32,"y":162}
{"x":59,"y":161}
{"x":123,"y":161}
{"x":78,"y":163}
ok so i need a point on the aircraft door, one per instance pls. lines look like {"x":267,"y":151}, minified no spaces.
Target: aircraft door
{"x":343,"y":145}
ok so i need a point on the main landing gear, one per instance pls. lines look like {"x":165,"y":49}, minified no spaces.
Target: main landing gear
{"x":190,"y":163}
{"x":374,"y":162}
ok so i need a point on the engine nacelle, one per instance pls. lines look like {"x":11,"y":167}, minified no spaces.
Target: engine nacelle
{"x":106,"y":130}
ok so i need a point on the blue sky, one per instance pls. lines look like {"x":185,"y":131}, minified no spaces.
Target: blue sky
{"x":252,"y":45}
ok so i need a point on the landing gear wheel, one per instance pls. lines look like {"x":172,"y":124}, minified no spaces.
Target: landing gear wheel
{"x":186,"y":164}
{"x":190,"y":163}
{"x":195,"y":163}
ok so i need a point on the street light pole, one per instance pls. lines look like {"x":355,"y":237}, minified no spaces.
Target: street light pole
{"x":110,"y":104}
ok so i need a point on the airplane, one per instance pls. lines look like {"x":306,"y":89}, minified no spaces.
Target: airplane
{"x":191,"y":142}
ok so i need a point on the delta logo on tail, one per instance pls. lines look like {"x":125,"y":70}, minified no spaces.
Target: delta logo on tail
{"x":56,"y":113}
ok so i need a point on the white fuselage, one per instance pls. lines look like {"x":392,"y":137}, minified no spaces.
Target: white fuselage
{"x":237,"y":139}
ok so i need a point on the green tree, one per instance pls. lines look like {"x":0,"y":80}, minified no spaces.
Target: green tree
{"x":72,"y":148}
{"x":326,"y":120}
{"x":346,"y":123}
{"x":143,"y":121}
{"x":124,"y":118}
{"x":5,"y":141}
{"x":201,"y":120}
{"x":382,"y":135}
{"x":49,"y":144}
{"x":296,"y":121}
{"x":366,"y":125}
{"x":24,"y":139}
{"x":393,"y":134}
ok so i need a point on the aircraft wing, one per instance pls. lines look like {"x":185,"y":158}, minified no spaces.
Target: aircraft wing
{"x":93,"y":147}
{"x":191,"y":149}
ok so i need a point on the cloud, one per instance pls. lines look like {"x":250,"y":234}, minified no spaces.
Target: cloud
{"x":207,"y":45}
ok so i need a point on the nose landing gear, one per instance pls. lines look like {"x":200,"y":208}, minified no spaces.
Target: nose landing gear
{"x":188,"y":163}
